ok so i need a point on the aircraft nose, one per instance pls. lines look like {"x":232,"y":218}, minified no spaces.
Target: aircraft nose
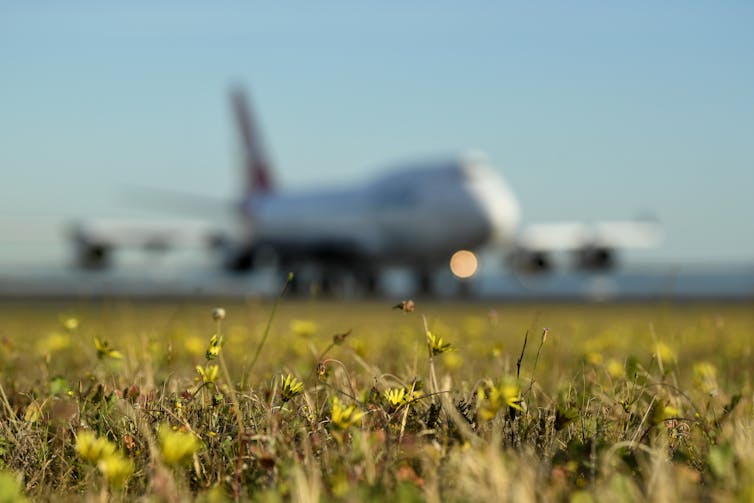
{"x":499,"y":208}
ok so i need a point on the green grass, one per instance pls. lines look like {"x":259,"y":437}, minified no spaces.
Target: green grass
{"x":619,"y":403}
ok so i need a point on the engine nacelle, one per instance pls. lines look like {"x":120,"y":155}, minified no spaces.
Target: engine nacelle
{"x":93,"y":255}
{"x":530,"y":261}
{"x":89,"y":251}
{"x":238,"y":259}
{"x":594,"y":258}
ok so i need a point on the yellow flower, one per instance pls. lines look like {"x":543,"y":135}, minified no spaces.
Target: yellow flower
{"x":116,"y":468}
{"x":400,"y":396}
{"x":70,"y":323}
{"x":215,"y":343}
{"x":343,"y":417}
{"x":303,"y":328}
{"x":492,"y":398}
{"x":194,"y":345}
{"x":436,"y":344}
{"x":209,"y":373}
{"x":497,"y":351}
{"x":594,"y":358}
{"x":661,"y":411}
{"x":10,"y":488}
{"x":395,"y":396}
{"x":665,"y":353}
{"x":177,"y":446}
{"x":91,"y":448}
{"x":452,"y":360}
{"x":54,"y":342}
{"x":615,"y":368}
{"x":291,"y":387}
{"x":104,"y":350}
{"x":705,"y":377}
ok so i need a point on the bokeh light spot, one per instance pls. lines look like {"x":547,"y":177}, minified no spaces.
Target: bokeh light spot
{"x":463,"y":264}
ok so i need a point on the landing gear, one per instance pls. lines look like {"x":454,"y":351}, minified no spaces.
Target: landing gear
{"x":333,"y":282}
{"x":425,"y":283}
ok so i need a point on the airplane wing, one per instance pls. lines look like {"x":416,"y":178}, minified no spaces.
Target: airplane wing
{"x":593,"y":245}
{"x":96,"y":239}
{"x":573,"y":236}
{"x":144,"y":233}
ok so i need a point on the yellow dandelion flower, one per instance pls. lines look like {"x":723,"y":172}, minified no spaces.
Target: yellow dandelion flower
{"x":215,"y":344}
{"x":615,"y":368}
{"x":497,"y":351}
{"x":401,"y":396}
{"x":116,"y":469}
{"x":208,"y":373}
{"x":177,"y":446}
{"x":10,"y":488}
{"x":359,"y":347}
{"x":705,"y":377}
{"x":343,"y":417}
{"x":104,"y":350}
{"x":593,"y":358}
{"x":194,"y":345}
{"x":436,"y":344}
{"x":662,"y":411}
{"x":452,"y":360}
{"x":290,"y":387}
{"x":395,"y":396}
{"x":54,"y":342}
{"x":665,"y":353}
{"x":492,"y":398}
{"x":303,"y":328}
{"x":70,"y":323}
{"x":511,"y":394}
{"x":91,"y":448}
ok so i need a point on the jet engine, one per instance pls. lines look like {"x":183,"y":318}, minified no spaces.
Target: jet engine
{"x":530,"y":261}
{"x":594,"y":258}
{"x":92,"y":255}
{"x":235,"y":257}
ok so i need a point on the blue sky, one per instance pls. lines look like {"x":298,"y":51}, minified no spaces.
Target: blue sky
{"x":591,"y":110}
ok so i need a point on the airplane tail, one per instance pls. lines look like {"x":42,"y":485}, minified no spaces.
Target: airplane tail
{"x":257,"y":169}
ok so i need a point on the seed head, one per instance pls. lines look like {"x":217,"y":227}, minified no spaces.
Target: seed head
{"x":407,"y":306}
{"x":218,"y":314}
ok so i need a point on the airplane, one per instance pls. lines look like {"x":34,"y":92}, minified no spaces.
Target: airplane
{"x":416,"y":216}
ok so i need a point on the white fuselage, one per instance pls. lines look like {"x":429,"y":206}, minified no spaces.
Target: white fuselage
{"x":415,"y":215}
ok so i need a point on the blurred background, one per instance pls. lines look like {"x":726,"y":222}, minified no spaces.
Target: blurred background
{"x":591,"y":111}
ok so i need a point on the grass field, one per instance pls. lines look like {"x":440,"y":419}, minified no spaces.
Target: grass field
{"x":339,"y":401}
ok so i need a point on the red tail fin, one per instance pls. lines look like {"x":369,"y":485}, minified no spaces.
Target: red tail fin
{"x":256,"y":166}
